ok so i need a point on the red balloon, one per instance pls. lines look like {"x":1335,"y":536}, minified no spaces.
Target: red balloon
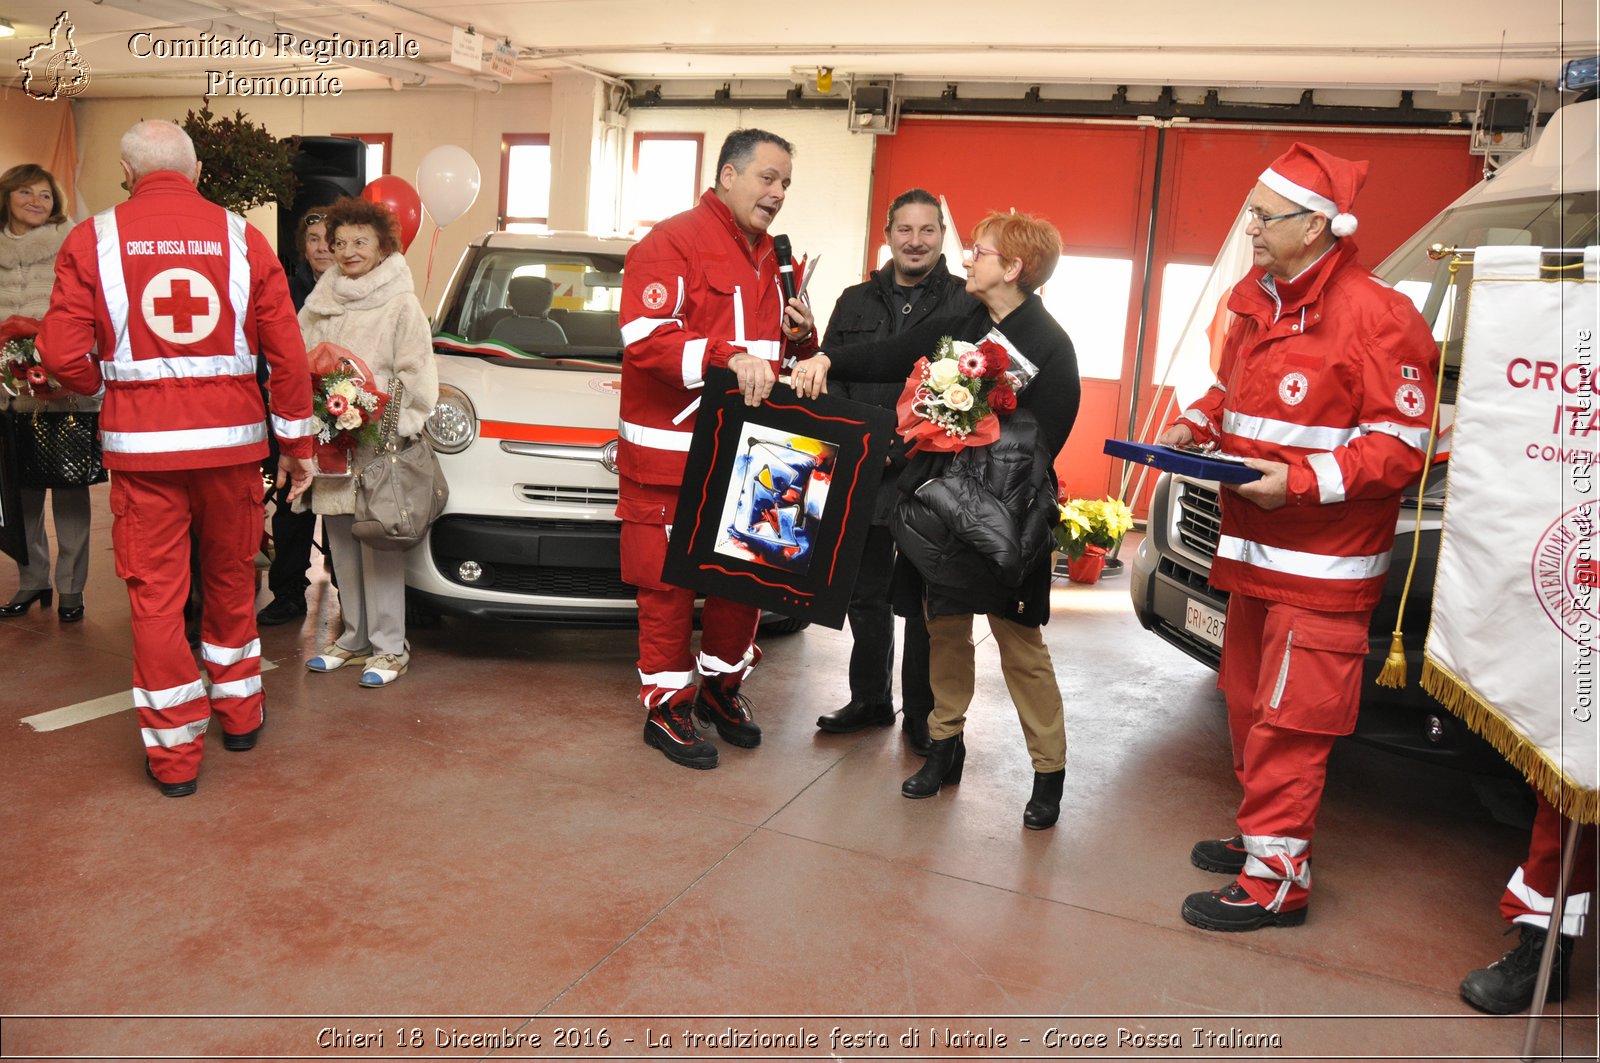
{"x":397,"y":194}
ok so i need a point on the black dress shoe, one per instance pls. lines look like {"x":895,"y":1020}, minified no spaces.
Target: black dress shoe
{"x":171,"y":789}
{"x":915,"y":726}
{"x":246,"y":741}
{"x":19,"y":604}
{"x":70,"y":614}
{"x":281,"y":611}
{"x":856,"y":716}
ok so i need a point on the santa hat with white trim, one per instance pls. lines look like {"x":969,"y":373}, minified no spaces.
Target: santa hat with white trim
{"x":1319,"y":182}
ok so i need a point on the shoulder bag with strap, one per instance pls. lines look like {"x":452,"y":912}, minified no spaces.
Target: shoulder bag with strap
{"x":402,"y":491}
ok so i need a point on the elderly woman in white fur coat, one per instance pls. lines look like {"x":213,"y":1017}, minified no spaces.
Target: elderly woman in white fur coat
{"x":367,"y":305}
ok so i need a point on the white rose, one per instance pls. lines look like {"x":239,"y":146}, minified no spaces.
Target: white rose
{"x":350,"y":419}
{"x":960,"y":347}
{"x":345,"y":388}
{"x":958,"y":398}
{"x":943,"y":373}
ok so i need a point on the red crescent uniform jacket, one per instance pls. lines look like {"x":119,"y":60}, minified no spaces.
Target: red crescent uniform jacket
{"x":693,"y":295}
{"x":177,"y":295}
{"x":1333,"y":374}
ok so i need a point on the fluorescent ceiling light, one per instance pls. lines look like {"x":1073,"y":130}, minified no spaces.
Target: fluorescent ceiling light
{"x":7,"y":29}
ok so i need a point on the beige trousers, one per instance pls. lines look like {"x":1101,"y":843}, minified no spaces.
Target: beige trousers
{"x":1030,"y":677}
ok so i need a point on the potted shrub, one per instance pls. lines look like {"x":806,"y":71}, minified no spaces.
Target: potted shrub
{"x":243,"y":165}
{"x":1088,"y":531}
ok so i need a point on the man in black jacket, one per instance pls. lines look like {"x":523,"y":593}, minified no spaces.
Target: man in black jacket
{"x":913,"y":287}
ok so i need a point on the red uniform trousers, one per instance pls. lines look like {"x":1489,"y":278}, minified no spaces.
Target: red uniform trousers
{"x":152,"y":513}
{"x":666,"y":621}
{"x":1292,"y":679}
{"x":1530,"y":895}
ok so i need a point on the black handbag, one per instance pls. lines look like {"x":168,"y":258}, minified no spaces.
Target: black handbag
{"x":59,"y":448}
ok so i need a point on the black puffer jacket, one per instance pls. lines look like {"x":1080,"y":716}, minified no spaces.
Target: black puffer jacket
{"x":980,"y":528}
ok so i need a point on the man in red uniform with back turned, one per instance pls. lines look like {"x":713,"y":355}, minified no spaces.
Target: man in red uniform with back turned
{"x":1327,"y":386}
{"x":163,"y":301}
{"x":701,"y":290}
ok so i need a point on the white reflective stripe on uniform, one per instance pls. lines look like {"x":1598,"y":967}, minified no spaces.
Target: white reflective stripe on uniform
{"x":169,"y":737}
{"x":113,"y":286}
{"x":283,"y":429}
{"x":685,"y":413}
{"x":179,"y":440}
{"x":710,"y":665}
{"x":1285,"y":433}
{"x":1300,"y":563}
{"x":1197,"y":418}
{"x":640,"y":327}
{"x":694,"y":363}
{"x":172,"y":697}
{"x":1572,"y":915}
{"x":654,"y":438}
{"x":224,"y":655}
{"x":198,"y":367}
{"x":239,"y":281}
{"x":1330,"y":478}
{"x":1414,"y":437}
{"x":236,"y":688}
{"x":666,"y":680}
{"x":738,"y":314}
{"x":1270,"y":856}
{"x":1283,"y":672}
{"x":766,"y":350}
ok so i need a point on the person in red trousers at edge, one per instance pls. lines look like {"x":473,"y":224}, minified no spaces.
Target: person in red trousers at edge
{"x":1327,"y":387}
{"x":162,"y":302}
{"x":700,"y":290}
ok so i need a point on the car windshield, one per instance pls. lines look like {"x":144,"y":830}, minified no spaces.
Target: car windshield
{"x":1553,"y":221}
{"x":545,"y":303}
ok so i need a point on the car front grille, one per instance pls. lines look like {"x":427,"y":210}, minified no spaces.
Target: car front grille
{"x":1199,"y":519}
{"x":568,"y":495}
{"x":561,"y":582}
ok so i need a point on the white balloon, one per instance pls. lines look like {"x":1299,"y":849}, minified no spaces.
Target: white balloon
{"x":447,"y":181}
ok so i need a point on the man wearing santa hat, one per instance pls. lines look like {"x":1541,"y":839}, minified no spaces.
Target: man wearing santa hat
{"x":1327,"y":387}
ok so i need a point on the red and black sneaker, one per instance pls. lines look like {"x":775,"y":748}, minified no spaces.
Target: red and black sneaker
{"x":1223,"y":855}
{"x":1231,"y":908}
{"x":670,"y":728}
{"x":720,"y":703}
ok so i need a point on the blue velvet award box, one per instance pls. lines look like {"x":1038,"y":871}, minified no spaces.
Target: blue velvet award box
{"x":1203,"y":465}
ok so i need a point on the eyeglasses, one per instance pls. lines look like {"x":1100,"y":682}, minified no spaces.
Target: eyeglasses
{"x":1264,"y":220}
{"x":977,"y":251}
{"x":360,"y":243}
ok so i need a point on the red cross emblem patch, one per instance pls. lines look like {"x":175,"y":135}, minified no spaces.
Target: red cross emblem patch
{"x":1292,"y":389}
{"x":655,"y":295}
{"x":1410,"y":401}
{"x":180,"y":306}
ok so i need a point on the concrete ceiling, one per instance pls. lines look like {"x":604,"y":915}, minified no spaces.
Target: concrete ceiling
{"x":1440,"y":46}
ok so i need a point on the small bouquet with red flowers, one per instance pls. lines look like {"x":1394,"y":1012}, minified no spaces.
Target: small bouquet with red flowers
{"x":20,"y":371}
{"x":951,"y":399}
{"x":346,"y":407}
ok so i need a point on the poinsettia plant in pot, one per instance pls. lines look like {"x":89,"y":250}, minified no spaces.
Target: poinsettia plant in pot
{"x":1089,"y":530}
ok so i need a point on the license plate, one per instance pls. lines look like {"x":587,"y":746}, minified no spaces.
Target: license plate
{"x":1200,"y":619}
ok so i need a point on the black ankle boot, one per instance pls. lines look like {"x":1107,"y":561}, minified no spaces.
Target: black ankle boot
{"x":915,"y":726}
{"x":1044,"y":807}
{"x":943,"y":768}
{"x":1506,"y":986}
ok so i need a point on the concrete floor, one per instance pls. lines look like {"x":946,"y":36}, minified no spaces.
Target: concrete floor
{"x":488,"y":848}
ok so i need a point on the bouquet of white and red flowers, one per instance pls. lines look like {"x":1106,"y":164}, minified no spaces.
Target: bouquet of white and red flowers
{"x":347,"y":409}
{"x":20,"y":371}
{"x":951,"y":399}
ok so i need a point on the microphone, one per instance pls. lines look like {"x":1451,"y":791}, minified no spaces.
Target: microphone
{"x":784,"y":253}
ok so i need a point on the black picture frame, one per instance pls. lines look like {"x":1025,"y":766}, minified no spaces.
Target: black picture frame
{"x":13,"y":535}
{"x":791,"y":542}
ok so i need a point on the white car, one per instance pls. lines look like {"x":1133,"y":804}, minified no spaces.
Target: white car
{"x":530,"y":374}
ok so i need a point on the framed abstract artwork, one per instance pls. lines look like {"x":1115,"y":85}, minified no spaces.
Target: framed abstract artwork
{"x":777,"y":499}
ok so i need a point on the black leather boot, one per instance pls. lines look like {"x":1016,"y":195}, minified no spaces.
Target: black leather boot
{"x":1507,"y":985}
{"x":943,"y":768}
{"x":1044,"y":807}
{"x":915,"y":726}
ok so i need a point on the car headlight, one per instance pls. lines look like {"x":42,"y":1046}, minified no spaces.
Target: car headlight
{"x":453,"y":425}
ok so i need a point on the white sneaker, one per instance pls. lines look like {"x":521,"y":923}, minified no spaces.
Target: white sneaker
{"x":384,"y":669}
{"x":335,"y":657}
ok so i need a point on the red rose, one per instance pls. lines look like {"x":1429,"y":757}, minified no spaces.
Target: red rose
{"x":996,"y":360}
{"x":1002,"y":399}
{"x":336,"y":405}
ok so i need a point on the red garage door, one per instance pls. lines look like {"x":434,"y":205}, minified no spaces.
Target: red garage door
{"x":1132,"y":200}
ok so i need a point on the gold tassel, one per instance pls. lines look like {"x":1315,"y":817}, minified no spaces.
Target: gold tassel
{"x":1393,"y":673}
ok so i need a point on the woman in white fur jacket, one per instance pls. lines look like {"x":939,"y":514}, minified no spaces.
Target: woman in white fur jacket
{"x":32,"y":226}
{"x":367,"y":305}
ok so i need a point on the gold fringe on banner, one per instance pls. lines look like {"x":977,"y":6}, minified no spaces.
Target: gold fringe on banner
{"x":1455,"y":694}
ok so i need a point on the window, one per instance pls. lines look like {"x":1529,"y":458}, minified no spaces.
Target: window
{"x":1089,"y":296}
{"x":525,"y":182}
{"x":380,"y":148}
{"x":666,"y":174}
